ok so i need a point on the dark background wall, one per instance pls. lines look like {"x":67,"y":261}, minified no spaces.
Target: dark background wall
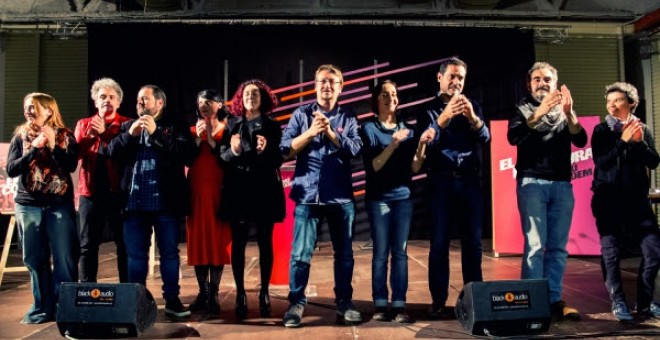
{"x":184,"y":59}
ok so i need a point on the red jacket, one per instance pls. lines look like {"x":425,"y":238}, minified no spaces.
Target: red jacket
{"x":88,"y":154}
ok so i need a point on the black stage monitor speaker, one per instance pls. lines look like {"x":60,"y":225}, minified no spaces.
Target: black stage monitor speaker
{"x":104,"y":310}
{"x":504,"y":307}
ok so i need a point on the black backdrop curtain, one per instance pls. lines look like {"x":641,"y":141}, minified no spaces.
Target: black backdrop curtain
{"x":186,"y":58}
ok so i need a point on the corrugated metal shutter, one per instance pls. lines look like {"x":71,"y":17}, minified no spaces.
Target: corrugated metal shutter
{"x":39,"y":63}
{"x":586,"y":65}
{"x":655,"y":99}
{"x":21,"y":77}
{"x":64,"y":76}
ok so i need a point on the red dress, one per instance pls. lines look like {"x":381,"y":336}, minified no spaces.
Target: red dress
{"x":209,"y":238}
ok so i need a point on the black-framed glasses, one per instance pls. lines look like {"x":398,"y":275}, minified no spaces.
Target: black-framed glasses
{"x":328,"y":81}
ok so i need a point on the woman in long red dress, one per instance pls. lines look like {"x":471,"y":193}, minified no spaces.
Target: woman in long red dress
{"x":209,"y":238}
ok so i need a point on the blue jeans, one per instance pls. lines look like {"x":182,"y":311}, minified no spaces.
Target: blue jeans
{"x":48,"y":230}
{"x":307,"y":219}
{"x":626,"y":218}
{"x":546,"y":211}
{"x":390,"y":225}
{"x":646,"y":274}
{"x":137,"y":235}
{"x":458,"y":200}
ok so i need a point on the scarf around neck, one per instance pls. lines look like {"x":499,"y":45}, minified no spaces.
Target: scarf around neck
{"x":616,"y":125}
{"x":550,"y":124}
{"x":45,"y":174}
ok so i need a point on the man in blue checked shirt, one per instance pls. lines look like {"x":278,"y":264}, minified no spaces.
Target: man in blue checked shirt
{"x":323,"y":137}
{"x":155,"y":148}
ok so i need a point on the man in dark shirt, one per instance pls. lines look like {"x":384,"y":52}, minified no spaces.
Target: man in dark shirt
{"x":453,"y":161}
{"x":543,"y":128}
{"x":155,"y":148}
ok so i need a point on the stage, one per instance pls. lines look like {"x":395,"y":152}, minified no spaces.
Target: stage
{"x":583,"y":289}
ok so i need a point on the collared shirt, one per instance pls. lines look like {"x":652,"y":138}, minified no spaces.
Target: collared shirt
{"x":455,"y":148}
{"x":144,"y":192}
{"x":323,"y":169}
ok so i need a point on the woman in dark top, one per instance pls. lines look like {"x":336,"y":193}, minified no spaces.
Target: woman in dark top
{"x":389,"y":155}
{"x":624,"y":152}
{"x":43,"y":153}
{"x":252,"y":190}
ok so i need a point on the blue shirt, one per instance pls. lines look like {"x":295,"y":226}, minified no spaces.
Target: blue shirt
{"x":393,"y":180}
{"x":454,"y":149}
{"x":323,"y":169}
{"x":144,"y":193}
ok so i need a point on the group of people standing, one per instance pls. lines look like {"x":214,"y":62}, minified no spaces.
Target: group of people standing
{"x":133,"y":178}
{"x":133,"y":181}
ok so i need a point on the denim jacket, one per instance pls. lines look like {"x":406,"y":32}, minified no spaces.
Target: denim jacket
{"x":323,"y":170}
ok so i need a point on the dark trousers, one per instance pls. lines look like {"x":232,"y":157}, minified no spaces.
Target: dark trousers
{"x":454,"y":200}
{"x":239,"y":239}
{"x":622,"y":219}
{"x":97,"y":213}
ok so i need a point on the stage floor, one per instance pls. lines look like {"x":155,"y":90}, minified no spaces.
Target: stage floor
{"x":583,"y":289}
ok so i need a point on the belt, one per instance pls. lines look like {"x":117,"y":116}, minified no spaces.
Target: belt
{"x":457,"y":173}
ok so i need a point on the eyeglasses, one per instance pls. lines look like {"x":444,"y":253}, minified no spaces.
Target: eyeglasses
{"x":328,"y":81}
{"x":616,"y":101}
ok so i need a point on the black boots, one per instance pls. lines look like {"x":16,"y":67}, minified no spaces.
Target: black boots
{"x":206,"y":300}
{"x":213,"y":304}
{"x":241,"y":305}
{"x":201,"y":301}
{"x":264,"y":304}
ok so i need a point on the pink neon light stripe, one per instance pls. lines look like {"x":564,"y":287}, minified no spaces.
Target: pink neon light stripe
{"x":407,"y":68}
{"x":359,"y":173}
{"x":402,"y":69}
{"x":295,"y":86}
{"x":281,"y":108}
{"x":421,"y":101}
{"x":354,"y":99}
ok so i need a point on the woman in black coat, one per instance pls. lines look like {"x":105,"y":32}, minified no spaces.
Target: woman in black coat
{"x":252,"y":190}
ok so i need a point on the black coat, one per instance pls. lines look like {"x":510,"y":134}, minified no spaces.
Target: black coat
{"x":623,"y":165}
{"x":175,"y":149}
{"x":621,"y":183}
{"x":252,"y":189}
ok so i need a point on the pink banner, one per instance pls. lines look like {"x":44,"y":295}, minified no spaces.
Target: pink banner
{"x":507,"y":234}
{"x":7,"y":185}
{"x":283,"y":233}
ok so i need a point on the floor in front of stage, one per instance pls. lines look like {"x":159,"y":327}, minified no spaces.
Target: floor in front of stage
{"x":583,"y":289}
